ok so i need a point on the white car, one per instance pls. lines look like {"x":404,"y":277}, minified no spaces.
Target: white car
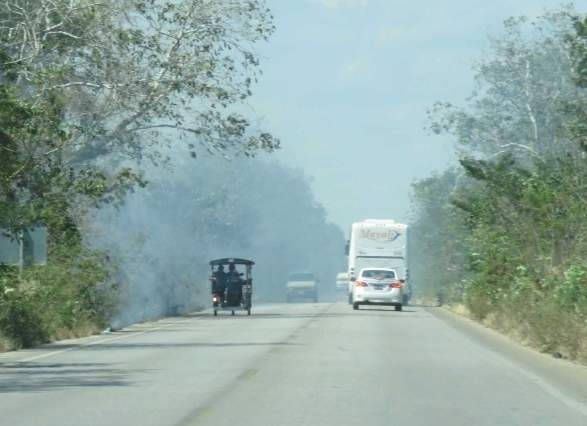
{"x":378,"y":286}
{"x":342,"y":281}
{"x":301,"y":285}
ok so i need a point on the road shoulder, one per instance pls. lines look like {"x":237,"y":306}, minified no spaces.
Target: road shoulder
{"x":554,"y":375}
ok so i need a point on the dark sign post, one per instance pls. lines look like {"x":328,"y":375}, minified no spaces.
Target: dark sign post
{"x":25,"y":247}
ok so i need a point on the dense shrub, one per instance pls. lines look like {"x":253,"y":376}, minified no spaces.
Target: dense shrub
{"x":510,"y":223}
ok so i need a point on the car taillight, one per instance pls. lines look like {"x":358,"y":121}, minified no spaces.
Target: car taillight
{"x":396,"y":284}
{"x":360,"y":283}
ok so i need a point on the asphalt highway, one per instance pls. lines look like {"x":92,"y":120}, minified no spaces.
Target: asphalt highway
{"x":293,"y":364}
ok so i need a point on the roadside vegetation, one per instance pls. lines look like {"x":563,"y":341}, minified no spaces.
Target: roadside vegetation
{"x":91,"y":92}
{"x":504,"y":232}
{"x":165,"y":234}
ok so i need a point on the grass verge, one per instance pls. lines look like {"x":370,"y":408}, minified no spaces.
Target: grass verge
{"x":545,"y":328}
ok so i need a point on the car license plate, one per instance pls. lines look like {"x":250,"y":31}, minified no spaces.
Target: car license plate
{"x":377,"y":286}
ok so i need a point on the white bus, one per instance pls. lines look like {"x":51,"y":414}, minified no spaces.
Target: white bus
{"x":378,"y":243}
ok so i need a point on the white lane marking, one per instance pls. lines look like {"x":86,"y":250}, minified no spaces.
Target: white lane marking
{"x":83,"y":345}
{"x":492,"y":340}
{"x":580,"y":406}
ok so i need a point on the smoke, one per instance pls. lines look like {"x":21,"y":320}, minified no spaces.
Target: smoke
{"x":163,"y":236}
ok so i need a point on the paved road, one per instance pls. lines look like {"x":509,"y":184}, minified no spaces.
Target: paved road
{"x":299,"y":364}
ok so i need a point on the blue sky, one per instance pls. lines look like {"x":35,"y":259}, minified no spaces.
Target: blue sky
{"x":346,"y":85}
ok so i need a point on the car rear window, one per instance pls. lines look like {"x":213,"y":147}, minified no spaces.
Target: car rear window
{"x":301,"y":277}
{"x":378,"y":274}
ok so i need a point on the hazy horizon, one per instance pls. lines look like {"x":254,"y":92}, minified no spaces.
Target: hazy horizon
{"x":346,"y":85}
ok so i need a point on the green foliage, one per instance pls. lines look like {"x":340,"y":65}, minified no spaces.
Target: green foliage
{"x":522,"y":85}
{"x":20,"y":319}
{"x":87,"y":90}
{"x":571,"y":294}
{"x":134,"y":74}
{"x":515,"y":216}
{"x":20,"y":322}
{"x":578,"y":44}
{"x":38,"y":186}
{"x":71,"y":293}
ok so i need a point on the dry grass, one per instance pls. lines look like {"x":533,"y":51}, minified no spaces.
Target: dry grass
{"x":460,"y":309}
{"x":5,"y":345}
{"x":83,"y":330}
{"x":545,"y":328}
